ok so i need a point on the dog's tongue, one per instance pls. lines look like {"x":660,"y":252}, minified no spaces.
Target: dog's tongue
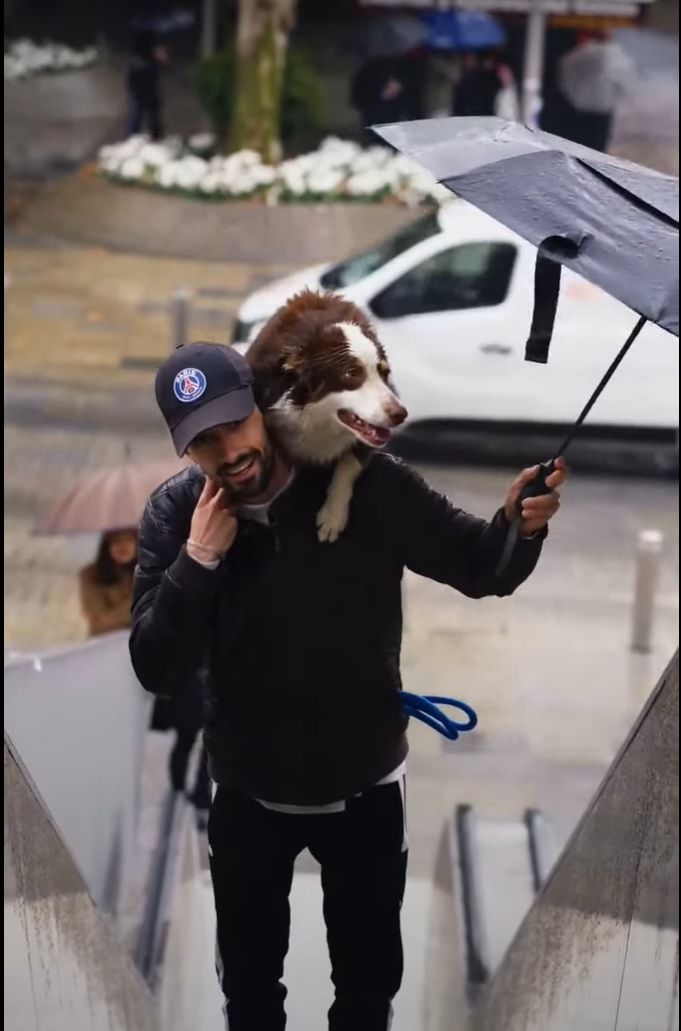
{"x":374,"y":436}
{"x":378,"y":435}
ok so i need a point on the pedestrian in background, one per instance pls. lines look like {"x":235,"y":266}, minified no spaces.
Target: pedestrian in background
{"x":593,"y":77}
{"x":378,"y":92}
{"x":485,"y":87}
{"x":144,"y":86}
{"x":106,"y":584}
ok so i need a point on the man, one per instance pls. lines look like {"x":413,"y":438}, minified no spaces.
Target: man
{"x":144,"y":86}
{"x":305,"y":733}
{"x":477,"y":90}
{"x":378,"y":93}
{"x":593,"y":78}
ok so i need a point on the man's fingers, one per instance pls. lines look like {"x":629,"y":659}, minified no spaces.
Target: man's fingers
{"x":210,"y":489}
{"x":559,"y":475}
{"x":221,"y":501}
{"x":542,"y":501}
{"x":525,"y":477}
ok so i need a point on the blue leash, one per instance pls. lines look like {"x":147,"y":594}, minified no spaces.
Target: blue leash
{"x":426,"y":709}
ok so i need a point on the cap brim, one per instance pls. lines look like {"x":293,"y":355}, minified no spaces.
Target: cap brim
{"x":231,"y":407}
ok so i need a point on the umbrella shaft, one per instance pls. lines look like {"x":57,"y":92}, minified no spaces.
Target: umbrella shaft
{"x":601,"y":386}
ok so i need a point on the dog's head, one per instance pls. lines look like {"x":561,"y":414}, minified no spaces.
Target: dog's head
{"x":335,"y":368}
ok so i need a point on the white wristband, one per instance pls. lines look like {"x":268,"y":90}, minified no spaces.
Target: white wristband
{"x":204,"y":547}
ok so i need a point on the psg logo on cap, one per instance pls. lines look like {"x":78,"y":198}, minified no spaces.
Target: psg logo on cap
{"x":189,"y":385}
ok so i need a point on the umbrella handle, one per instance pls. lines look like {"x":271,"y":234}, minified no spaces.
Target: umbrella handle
{"x":534,"y":489}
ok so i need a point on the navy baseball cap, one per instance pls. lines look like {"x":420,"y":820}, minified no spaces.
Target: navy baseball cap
{"x":201,"y":386}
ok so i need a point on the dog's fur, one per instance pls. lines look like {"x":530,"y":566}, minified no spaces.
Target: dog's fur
{"x":322,"y":381}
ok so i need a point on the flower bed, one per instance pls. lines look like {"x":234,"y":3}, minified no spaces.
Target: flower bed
{"x":339,"y":171}
{"x":24,"y":59}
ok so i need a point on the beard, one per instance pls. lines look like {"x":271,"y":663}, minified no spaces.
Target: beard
{"x":261,"y":462}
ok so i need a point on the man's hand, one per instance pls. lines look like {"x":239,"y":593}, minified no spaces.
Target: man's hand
{"x":536,"y":512}
{"x":213,"y":526}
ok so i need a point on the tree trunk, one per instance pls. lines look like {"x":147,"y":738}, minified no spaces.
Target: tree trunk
{"x":261,"y":40}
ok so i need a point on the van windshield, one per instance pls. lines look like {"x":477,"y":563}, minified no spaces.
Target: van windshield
{"x":361,"y":265}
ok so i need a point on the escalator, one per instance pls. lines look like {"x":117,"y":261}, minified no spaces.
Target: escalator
{"x":500,"y":938}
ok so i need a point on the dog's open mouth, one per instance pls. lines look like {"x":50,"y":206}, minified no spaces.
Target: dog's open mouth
{"x":374,"y":436}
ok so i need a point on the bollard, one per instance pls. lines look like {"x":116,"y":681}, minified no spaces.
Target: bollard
{"x":647,"y":568}
{"x":179,"y":317}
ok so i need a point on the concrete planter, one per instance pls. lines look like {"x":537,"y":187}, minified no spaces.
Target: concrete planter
{"x":55,"y":122}
{"x":89,"y":209}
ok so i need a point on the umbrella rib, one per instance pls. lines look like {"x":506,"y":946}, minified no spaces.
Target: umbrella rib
{"x":639,"y":202}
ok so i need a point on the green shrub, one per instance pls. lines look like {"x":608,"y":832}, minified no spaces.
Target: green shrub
{"x":302,"y":106}
{"x":215,"y":88}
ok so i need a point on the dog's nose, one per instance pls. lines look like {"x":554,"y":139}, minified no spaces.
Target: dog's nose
{"x":396,"y":413}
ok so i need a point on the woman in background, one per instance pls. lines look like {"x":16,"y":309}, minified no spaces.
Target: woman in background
{"x":106,"y":584}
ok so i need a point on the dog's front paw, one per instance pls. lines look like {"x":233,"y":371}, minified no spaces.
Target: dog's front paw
{"x":331,"y":521}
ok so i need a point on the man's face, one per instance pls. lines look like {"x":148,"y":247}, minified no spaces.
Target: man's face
{"x":237,"y":455}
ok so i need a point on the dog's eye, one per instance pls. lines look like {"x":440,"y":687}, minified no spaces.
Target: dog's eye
{"x":384,"y":370}
{"x":349,"y":378}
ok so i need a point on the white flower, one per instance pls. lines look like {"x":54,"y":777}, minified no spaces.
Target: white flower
{"x":339,"y":151}
{"x":337,"y":170}
{"x":167,"y":176}
{"x":294,"y":181}
{"x":202,"y":141}
{"x":211,"y":183}
{"x":367,"y":184}
{"x":154,"y":154}
{"x":25,"y":58}
{"x":325,"y":181}
{"x":370,"y":159}
{"x":247,"y":158}
{"x":131,"y":168}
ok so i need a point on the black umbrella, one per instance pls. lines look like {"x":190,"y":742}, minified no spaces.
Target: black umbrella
{"x":391,"y":35}
{"x":611,"y":221}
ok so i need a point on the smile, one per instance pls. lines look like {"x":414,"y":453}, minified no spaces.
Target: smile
{"x":241,"y":468}
{"x":374,"y":436}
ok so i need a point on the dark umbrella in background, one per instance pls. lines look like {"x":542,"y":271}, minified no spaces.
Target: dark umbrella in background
{"x":391,"y":35}
{"x":163,"y":22}
{"x":611,"y":221}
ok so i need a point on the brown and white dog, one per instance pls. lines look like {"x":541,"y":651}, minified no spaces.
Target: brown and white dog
{"x":322,"y":381}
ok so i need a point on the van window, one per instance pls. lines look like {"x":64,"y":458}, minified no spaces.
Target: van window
{"x":472,"y":275}
{"x":354,"y":269}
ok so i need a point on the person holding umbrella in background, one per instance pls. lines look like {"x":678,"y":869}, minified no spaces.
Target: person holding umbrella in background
{"x":593,"y":78}
{"x":106,"y":583}
{"x":110,"y":501}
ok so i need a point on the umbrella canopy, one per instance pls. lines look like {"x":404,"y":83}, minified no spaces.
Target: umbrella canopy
{"x":108,"y":499}
{"x":391,"y":35}
{"x":163,"y":23}
{"x":611,"y":221}
{"x":462,"y":30}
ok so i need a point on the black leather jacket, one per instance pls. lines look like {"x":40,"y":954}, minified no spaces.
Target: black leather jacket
{"x":303,"y":639}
